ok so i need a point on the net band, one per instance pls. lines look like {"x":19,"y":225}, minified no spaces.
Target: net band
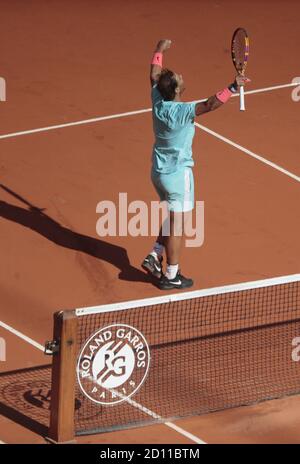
{"x":84,"y":311}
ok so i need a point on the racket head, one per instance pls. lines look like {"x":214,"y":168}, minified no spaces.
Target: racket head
{"x":240,"y":50}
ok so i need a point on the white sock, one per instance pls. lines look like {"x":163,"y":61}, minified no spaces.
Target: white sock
{"x":158,"y":250}
{"x":172,"y":270}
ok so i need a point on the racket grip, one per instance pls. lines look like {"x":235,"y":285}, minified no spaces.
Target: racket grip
{"x":242,"y":98}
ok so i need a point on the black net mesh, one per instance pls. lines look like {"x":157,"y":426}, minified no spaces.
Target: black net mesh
{"x":207,"y":353}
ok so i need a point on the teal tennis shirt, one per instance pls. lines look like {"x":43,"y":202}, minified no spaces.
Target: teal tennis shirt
{"x":173,"y":125}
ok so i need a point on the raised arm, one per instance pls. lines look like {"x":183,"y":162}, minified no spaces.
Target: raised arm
{"x":156,"y":65}
{"x":214,"y":102}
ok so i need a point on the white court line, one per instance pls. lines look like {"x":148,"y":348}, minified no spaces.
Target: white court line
{"x":132,"y":402}
{"x":121,"y":115}
{"x":76,"y":123}
{"x":185,"y":433}
{"x":268,"y":89}
{"x":154,"y":415}
{"x":22,"y":336}
{"x":248,"y":152}
{"x":265,"y":89}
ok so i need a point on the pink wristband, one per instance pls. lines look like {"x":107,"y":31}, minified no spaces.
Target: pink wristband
{"x":157,"y":59}
{"x":224,"y":95}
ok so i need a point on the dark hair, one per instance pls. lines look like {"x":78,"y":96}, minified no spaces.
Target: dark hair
{"x":167,"y":84}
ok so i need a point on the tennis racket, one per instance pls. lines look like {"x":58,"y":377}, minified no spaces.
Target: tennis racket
{"x":240,"y":54}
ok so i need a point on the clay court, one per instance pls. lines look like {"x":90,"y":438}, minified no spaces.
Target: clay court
{"x":76,"y":129}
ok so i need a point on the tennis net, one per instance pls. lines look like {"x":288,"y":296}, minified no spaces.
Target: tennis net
{"x":168,"y":357}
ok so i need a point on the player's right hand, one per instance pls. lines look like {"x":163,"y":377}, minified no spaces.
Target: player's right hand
{"x":241,"y":80}
{"x":163,"y":45}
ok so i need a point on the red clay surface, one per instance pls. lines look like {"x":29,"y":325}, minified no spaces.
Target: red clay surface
{"x":64,"y":64}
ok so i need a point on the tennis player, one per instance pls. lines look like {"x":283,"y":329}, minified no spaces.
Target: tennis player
{"x":172,"y":161}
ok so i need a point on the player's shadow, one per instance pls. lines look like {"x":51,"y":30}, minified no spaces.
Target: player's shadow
{"x":35,"y":219}
{"x":25,"y":397}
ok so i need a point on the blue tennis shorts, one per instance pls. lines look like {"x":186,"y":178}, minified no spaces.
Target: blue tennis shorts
{"x":177,"y":189}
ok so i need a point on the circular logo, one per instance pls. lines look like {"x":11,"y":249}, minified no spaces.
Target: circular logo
{"x":113,"y":364}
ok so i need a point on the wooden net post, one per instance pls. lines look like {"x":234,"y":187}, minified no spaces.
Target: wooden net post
{"x":62,"y":428}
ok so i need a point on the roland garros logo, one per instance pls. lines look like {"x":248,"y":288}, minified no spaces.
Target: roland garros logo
{"x":113,"y":364}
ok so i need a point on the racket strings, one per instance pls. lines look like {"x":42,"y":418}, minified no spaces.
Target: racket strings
{"x":240,"y":50}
